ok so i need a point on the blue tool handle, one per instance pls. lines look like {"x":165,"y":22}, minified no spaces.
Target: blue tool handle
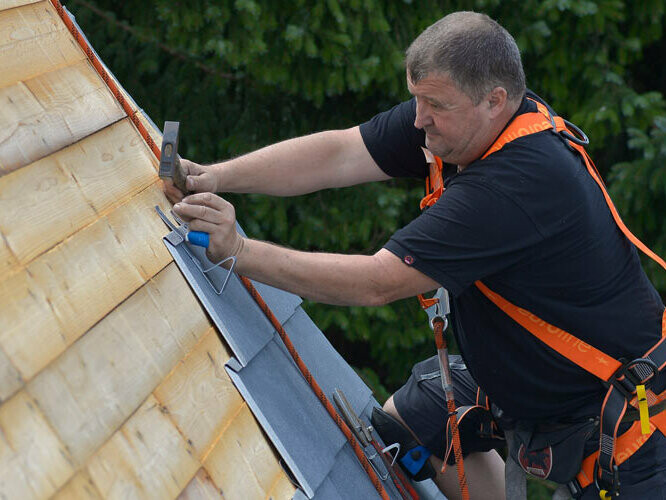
{"x":198,"y":238}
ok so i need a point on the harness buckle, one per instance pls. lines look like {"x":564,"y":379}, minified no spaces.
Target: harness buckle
{"x":574,"y":488}
{"x":640,"y":371}
{"x":608,"y":485}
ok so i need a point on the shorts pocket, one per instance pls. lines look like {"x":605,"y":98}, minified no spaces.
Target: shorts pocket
{"x":429,"y":368}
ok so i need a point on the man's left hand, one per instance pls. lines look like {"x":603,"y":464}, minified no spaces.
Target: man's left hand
{"x":211,"y":214}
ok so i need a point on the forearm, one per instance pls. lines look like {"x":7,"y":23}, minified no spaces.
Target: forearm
{"x":335,"y":158}
{"x":322,"y":277}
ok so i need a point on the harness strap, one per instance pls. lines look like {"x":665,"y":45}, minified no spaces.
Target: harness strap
{"x":434,"y":181}
{"x":521,"y":126}
{"x":622,"y":389}
{"x":626,"y":445}
{"x":623,"y":380}
{"x":572,"y":348}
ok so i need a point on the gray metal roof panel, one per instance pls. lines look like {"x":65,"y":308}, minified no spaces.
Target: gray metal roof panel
{"x":325,"y":363}
{"x":299,"y":495}
{"x":282,"y":304}
{"x":298,"y":425}
{"x":351,"y":481}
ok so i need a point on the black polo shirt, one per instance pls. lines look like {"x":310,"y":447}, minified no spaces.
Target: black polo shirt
{"x":532,"y":224}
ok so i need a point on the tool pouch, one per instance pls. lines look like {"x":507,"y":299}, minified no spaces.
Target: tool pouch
{"x":551,"y":451}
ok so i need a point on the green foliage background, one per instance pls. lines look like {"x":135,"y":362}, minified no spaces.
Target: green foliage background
{"x":240,"y":74}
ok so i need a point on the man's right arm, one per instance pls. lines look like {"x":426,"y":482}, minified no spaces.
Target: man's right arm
{"x":334,"y":158}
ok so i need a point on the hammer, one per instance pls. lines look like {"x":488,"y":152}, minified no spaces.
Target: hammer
{"x":170,"y":169}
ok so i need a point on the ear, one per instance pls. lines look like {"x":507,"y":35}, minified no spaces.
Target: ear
{"x":496,"y":99}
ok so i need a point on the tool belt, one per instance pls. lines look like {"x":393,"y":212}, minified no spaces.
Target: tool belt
{"x":629,"y":395}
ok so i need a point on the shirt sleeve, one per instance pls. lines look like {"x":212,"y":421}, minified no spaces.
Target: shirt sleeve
{"x":472,"y":232}
{"x":394,"y":143}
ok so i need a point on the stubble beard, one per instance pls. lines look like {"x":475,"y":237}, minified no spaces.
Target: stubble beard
{"x":439,"y":150}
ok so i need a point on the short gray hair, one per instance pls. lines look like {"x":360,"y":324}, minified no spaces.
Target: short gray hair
{"x":473,"y":50}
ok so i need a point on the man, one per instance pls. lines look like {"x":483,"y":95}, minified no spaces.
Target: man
{"x":528,"y":220}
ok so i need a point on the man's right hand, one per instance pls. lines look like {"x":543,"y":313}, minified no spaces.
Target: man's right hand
{"x":200,"y":179}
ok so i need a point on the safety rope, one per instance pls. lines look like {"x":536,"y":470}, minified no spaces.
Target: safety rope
{"x":132,"y":114}
{"x":442,"y":350}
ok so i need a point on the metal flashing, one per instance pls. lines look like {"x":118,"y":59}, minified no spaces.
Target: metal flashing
{"x":235,"y":314}
{"x":294,"y":420}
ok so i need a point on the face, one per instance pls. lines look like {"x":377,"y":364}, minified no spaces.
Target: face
{"x":456,"y":130}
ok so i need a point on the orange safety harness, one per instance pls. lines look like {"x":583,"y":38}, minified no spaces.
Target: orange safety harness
{"x":627,"y":382}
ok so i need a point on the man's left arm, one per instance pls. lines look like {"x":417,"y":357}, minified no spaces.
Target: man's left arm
{"x":366,"y":280}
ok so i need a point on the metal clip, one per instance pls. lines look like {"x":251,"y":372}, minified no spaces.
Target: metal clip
{"x":395,"y":446}
{"x":439,"y":310}
{"x":226,"y":279}
{"x":177,"y":234}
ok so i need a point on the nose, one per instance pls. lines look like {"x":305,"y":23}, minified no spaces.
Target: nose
{"x":423,"y":117}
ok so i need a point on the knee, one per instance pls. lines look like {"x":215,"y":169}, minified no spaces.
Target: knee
{"x":389,"y":407}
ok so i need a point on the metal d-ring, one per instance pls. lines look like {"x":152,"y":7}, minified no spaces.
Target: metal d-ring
{"x":580,"y":138}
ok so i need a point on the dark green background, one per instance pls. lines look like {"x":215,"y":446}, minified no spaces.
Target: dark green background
{"x":242,"y":74}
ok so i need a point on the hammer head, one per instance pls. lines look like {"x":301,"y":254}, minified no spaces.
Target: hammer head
{"x":169,"y":160}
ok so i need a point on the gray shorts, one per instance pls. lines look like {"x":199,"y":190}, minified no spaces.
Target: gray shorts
{"x":422,"y":405}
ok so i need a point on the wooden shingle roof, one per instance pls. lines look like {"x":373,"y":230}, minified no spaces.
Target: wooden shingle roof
{"x":110,"y":371}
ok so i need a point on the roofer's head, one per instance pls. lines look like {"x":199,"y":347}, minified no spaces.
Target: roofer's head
{"x":466,"y":75}
{"x":473,"y":50}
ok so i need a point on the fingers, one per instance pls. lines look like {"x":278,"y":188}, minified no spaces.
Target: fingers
{"x":199,"y":178}
{"x":190,"y":168}
{"x":192,"y":213}
{"x":205,"y":207}
{"x":203,"y":226}
{"x":211,"y":214}
{"x":209,"y":200}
